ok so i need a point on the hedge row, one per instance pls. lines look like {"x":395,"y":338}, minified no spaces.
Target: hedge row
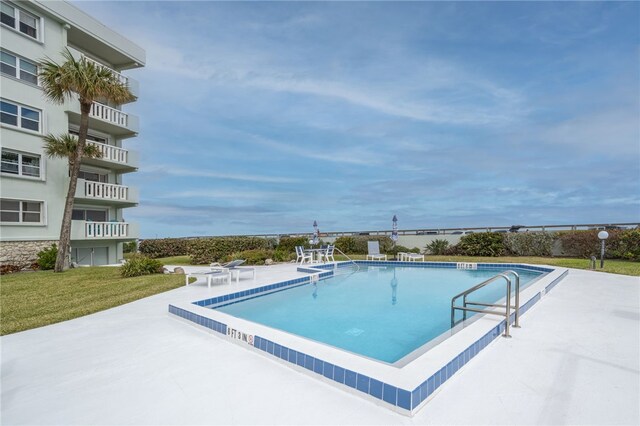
{"x":621,"y":244}
{"x":207,"y":250}
{"x":165,"y":247}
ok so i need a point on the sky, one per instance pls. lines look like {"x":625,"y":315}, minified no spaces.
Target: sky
{"x":263,"y":117}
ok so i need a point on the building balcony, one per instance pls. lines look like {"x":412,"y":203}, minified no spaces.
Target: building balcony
{"x":113,"y":157}
{"x":106,"y":193}
{"x":132,"y":83}
{"x":106,"y":119}
{"x":87,"y":230}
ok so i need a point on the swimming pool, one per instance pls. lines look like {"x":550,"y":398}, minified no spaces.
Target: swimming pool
{"x":364,"y":369}
{"x":382,"y":312}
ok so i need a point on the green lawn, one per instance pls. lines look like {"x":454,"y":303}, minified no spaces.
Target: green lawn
{"x":34,"y":299}
{"x":624,"y":267}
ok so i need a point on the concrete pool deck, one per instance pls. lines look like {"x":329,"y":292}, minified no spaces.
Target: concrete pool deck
{"x":575,"y":361}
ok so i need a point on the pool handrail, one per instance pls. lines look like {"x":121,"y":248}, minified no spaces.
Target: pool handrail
{"x":507,"y":306}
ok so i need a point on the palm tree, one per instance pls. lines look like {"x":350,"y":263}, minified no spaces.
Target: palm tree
{"x":88,"y":82}
{"x":65,"y":146}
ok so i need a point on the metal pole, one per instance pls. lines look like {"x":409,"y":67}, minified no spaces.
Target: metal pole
{"x":602,"y":255}
{"x":517,"y":323}
{"x":508,"y":309}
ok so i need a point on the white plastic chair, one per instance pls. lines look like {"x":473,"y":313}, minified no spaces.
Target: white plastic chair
{"x":373,"y":248}
{"x":328,"y":254}
{"x":302,"y":255}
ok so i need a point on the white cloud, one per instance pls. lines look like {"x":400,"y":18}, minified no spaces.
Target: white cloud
{"x":176,"y":171}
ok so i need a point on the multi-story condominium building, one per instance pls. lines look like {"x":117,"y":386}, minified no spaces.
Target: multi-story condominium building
{"x":33,"y":187}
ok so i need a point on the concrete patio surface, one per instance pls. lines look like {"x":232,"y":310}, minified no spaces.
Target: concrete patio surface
{"x":576,"y":360}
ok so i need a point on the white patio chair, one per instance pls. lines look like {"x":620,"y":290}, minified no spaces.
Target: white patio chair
{"x":302,"y":255}
{"x":327,"y":255}
{"x":401,"y":256}
{"x":373,"y":248}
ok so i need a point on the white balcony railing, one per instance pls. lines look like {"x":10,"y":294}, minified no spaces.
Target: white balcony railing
{"x":106,"y":229}
{"x":119,"y":76}
{"x":111,"y":153}
{"x":108,"y":114}
{"x":106,"y":191}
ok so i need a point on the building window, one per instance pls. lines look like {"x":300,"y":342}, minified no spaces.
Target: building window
{"x":17,"y":163}
{"x":18,"y":67}
{"x":89,"y":215}
{"x":20,"y":20}
{"x":90,"y":137}
{"x":19,"y":116}
{"x":16,"y":211}
{"x":93,"y":176}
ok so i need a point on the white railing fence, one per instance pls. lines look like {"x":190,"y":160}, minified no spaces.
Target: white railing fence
{"x":111,"y":153}
{"x":111,"y":115}
{"x":119,"y":76}
{"x":107,"y":191}
{"x":106,"y":229}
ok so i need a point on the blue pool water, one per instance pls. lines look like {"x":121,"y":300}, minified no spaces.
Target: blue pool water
{"x":382,"y":312}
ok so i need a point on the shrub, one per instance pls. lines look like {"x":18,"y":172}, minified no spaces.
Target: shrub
{"x":626,"y":245}
{"x":252,"y":257}
{"x":288,"y":244}
{"x":481,"y":244}
{"x":358,"y":244}
{"x":207,"y":250}
{"x":529,"y":243}
{"x":47,"y":258}
{"x":164,"y":247}
{"x":138,"y":265}
{"x":9,"y":269}
{"x":130,"y":247}
{"x":437,"y":247}
{"x":283,"y":256}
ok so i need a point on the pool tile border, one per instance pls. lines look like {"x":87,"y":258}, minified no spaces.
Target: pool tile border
{"x":403,"y":400}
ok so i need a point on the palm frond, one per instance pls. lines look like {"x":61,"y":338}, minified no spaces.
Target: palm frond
{"x":91,"y":151}
{"x":84,"y":78}
{"x":63,"y":146}
{"x":66,"y":145}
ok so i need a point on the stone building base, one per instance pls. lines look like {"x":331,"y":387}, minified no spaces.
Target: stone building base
{"x":21,"y":254}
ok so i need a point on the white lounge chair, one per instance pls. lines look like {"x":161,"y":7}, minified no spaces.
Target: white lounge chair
{"x":303,"y":255}
{"x":373,"y":248}
{"x":413,"y":257}
{"x":210,"y":276}
{"x":234,"y":268}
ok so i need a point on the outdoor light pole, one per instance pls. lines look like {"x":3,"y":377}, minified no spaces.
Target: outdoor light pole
{"x":394,"y":230}
{"x":316,"y":233}
{"x":603,"y":235}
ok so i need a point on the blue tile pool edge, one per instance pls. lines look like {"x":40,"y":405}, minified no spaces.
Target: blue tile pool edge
{"x":402,"y":400}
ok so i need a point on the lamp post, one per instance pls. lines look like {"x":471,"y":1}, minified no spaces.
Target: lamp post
{"x":603,"y":235}
{"x":394,"y":230}
{"x":316,"y":236}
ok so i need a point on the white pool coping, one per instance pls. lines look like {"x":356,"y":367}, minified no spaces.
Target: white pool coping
{"x":574,"y":361}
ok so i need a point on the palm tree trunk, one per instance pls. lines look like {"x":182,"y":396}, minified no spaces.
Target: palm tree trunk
{"x":62,"y":259}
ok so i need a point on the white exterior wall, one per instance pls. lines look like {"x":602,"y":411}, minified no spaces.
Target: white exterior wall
{"x":62,"y":26}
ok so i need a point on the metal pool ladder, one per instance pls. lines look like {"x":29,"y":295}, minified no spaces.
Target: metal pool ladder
{"x":350,"y":259}
{"x":507,"y":306}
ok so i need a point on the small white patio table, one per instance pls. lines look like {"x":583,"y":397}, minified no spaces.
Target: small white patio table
{"x":317,"y":252}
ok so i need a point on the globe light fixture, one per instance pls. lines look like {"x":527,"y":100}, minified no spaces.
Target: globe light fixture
{"x":603,"y":235}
